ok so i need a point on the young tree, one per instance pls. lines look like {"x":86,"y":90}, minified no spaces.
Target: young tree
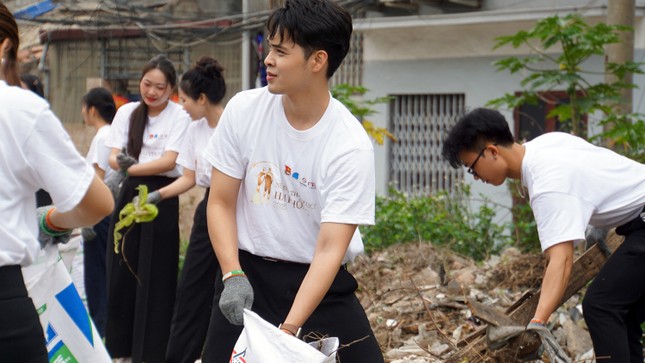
{"x":560,"y":47}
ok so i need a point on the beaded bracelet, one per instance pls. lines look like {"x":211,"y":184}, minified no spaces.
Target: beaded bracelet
{"x":233,"y":273}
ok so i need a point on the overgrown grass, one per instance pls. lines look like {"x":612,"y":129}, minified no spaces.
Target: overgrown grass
{"x":442,"y":219}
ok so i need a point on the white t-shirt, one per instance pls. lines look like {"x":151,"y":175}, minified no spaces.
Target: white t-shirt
{"x":35,"y":152}
{"x":99,"y":153}
{"x":573,"y":183}
{"x":163,"y":132}
{"x":191,"y":155}
{"x":292,"y":181}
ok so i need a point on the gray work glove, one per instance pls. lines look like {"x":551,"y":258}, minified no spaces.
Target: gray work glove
{"x":88,"y":234}
{"x":237,"y":296}
{"x":549,"y":343}
{"x":114,"y":182}
{"x":46,"y":234}
{"x":153,"y":198}
{"x":125,"y":161}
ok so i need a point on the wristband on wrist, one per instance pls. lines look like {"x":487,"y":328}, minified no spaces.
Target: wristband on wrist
{"x":291,"y":329}
{"x":233,"y":273}
{"x":536,"y":320}
{"x":48,"y":227}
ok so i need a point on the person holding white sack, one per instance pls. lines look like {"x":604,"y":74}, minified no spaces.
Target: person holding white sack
{"x":35,"y":152}
{"x":293,"y":176}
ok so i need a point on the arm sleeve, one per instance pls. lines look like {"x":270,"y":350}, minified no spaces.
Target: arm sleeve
{"x":62,"y":170}
{"x":560,"y":218}
{"x":348,"y":193}
{"x":186,"y":157}
{"x":223,"y":149}
{"x":180,"y":124}
{"x":118,"y":136}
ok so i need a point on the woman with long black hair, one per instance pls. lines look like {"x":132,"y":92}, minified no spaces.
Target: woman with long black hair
{"x":142,"y":274}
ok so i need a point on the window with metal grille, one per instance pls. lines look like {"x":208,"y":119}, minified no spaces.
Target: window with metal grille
{"x":420,"y":122}
{"x":351,"y":70}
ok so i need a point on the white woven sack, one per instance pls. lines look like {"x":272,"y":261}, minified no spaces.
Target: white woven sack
{"x":70,"y":333}
{"x":261,"y":342}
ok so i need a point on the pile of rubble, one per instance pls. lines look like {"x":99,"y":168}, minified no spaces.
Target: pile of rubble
{"x":416,"y":296}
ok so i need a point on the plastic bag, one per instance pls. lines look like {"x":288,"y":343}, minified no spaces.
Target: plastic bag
{"x":261,"y":342}
{"x":69,"y":331}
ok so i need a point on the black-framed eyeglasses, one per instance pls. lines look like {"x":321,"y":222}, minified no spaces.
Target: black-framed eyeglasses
{"x":471,"y":169}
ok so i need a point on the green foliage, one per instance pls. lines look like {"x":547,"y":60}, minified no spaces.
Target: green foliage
{"x":442,"y":219}
{"x":351,"y":97}
{"x":625,"y":135}
{"x":575,"y":41}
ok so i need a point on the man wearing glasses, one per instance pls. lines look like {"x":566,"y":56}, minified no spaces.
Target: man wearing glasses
{"x":571,"y":184}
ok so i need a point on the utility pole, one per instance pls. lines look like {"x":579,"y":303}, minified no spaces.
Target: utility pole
{"x":246,"y":49}
{"x":621,"y":12}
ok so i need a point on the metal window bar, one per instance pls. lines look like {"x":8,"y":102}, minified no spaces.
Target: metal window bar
{"x":351,"y":69}
{"x":419,"y":122}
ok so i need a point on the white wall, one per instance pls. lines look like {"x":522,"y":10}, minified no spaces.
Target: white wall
{"x":475,"y":77}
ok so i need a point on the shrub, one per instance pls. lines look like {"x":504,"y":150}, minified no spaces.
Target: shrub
{"x":443,"y":219}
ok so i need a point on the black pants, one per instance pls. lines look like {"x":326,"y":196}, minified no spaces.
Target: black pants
{"x":21,"y":335}
{"x":614,"y":306}
{"x":142,"y":278}
{"x":194,"y":293}
{"x":275,"y":285}
{"x":94,"y":258}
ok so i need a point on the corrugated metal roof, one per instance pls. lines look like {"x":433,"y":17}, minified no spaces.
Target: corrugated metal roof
{"x":35,"y":10}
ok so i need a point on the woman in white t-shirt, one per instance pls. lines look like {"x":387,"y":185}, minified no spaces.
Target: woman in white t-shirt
{"x":201,"y":91}
{"x":35,"y":152}
{"x":142,"y":275}
{"x":98,"y":110}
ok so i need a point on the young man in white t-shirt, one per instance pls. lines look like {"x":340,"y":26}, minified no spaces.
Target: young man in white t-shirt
{"x":293,"y":176}
{"x":571,"y":184}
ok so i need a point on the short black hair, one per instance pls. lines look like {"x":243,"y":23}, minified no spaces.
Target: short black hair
{"x":314,"y":25}
{"x":103,"y":101}
{"x":33,"y":83}
{"x":473,"y":131}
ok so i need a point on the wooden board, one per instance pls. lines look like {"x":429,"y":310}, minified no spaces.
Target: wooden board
{"x":585,"y":268}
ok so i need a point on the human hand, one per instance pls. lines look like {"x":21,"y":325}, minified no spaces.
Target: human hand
{"x":153,"y":198}
{"x":549,"y":343}
{"x":114,"y":181}
{"x":125,"y":161}
{"x":237,"y":295}
{"x":88,"y":234}
{"x":47,"y":232}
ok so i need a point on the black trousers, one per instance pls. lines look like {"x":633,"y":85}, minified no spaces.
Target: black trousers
{"x":194,"y":293}
{"x":275,"y":284}
{"x":614,"y":306}
{"x":94,"y":258}
{"x":142,"y":278}
{"x":21,"y":335}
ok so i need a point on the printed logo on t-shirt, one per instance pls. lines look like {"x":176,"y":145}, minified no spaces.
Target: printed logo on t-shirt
{"x":272,"y":189}
{"x":158,"y":136}
{"x":301,"y":179}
